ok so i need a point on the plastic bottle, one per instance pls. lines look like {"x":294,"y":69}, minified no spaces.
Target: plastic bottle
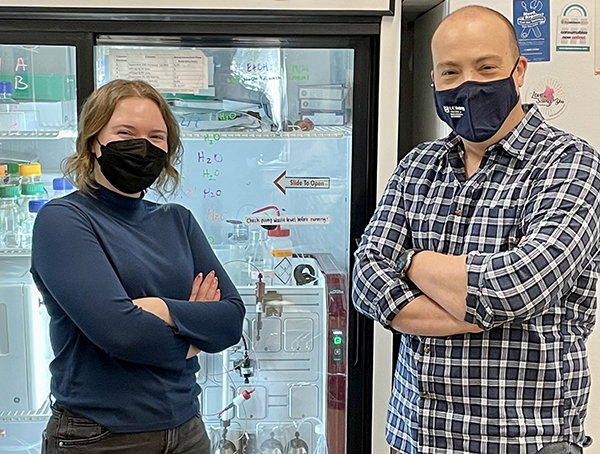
{"x":6,"y":100}
{"x":9,"y":216}
{"x":61,"y":187}
{"x":280,"y":245}
{"x":238,"y":241}
{"x":258,"y":257}
{"x":26,"y":227}
{"x":29,"y":192}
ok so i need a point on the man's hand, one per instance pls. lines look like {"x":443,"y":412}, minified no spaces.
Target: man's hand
{"x":424,"y":317}
{"x":206,"y":289}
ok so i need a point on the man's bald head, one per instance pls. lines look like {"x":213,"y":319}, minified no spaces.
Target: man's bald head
{"x":474,"y":12}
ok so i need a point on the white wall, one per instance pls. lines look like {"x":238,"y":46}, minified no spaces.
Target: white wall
{"x":389,"y":99}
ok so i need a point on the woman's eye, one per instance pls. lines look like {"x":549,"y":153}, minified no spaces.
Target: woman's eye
{"x":124,"y":132}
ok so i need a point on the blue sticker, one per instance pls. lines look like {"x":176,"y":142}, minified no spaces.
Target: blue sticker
{"x":531,"y":19}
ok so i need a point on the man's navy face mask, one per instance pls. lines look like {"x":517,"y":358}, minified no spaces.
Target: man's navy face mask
{"x":477,"y":110}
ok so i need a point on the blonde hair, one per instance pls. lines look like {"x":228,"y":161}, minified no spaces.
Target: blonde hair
{"x":95,"y":115}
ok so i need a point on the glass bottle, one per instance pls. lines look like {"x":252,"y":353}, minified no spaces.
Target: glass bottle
{"x":30,"y":173}
{"x":6,"y":100}
{"x":29,"y":192}
{"x":258,"y":258}
{"x":61,"y":187}
{"x":238,"y":241}
{"x":26,"y":227}
{"x":13,"y":174}
{"x":9,"y":216}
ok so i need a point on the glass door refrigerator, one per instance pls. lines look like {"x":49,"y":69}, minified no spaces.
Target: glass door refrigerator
{"x":277,"y":119}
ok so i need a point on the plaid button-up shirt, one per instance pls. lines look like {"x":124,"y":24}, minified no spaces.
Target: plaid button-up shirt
{"x":524,"y":381}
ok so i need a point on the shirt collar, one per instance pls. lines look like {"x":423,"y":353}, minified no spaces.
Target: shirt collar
{"x":516,"y":142}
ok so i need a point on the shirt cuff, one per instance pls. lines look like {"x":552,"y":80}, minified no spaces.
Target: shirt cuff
{"x":395,"y":298}
{"x":478,"y":310}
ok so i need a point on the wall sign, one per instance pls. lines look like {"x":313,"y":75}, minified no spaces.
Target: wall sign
{"x":573,"y":31}
{"x":531,"y":21}
{"x":549,"y":95}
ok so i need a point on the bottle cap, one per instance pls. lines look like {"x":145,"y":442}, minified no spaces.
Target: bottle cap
{"x":35,"y":205}
{"x":61,"y":184}
{"x":6,"y":88}
{"x":279,"y":232}
{"x":32,"y":188}
{"x":10,"y":191}
{"x":30,"y":170}
{"x":13,"y":168}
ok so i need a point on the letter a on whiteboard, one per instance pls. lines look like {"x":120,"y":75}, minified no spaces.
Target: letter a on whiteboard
{"x":20,"y":64}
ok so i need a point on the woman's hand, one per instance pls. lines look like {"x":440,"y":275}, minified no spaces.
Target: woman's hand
{"x":157,"y":307}
{"x":206,"y":289}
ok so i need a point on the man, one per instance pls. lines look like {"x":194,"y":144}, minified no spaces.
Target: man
{"x":483,"y":252}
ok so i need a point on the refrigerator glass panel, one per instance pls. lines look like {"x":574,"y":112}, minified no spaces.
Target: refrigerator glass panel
{"x":267,"y":136}
{"x":38,"y":126}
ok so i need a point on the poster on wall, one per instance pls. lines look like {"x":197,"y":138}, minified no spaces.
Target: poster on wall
{"x":573,"y":31}
{"x":531,"y":19}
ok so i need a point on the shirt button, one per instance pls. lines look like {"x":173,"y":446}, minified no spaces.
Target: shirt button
{"x":458,"y":212}
{"x":425,"y":395}
{"x":426,"y":349}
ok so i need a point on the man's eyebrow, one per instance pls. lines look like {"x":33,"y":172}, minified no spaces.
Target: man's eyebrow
{"x":446,"y":64}
{"x":453,"y":64}
{"x":495,"y":57}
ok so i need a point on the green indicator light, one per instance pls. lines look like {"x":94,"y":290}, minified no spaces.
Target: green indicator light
{"x":337,"y":340}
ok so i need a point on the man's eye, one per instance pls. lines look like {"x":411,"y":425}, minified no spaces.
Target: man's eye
{"x":448,"y":73}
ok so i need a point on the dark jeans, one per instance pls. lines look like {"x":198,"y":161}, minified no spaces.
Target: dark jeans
{"x":560,"y":448}
{"x":70,"y":434}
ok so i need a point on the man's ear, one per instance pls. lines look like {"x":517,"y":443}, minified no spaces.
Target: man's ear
{"x":521,"y":70}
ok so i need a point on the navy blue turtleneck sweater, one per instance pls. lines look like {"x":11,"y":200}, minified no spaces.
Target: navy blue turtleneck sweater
{"x":115,"y":363}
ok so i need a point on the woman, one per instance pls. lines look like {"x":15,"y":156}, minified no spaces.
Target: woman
{"x":132,"y":287}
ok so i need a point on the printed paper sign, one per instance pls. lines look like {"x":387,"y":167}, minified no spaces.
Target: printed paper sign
{"x":284,"y":182}
{"x":288,"y":220}
{"x":573,"y":31}
{"x":169,"y":71}
{"x":531,"y":21}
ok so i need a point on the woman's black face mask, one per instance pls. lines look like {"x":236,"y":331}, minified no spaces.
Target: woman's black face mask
{"x":131,"y":165}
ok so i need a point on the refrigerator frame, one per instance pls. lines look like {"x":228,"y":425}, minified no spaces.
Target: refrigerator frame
{"x":360,"y":32}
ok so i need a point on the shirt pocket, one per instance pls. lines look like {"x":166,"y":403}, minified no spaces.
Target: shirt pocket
{"x":496,"y":229}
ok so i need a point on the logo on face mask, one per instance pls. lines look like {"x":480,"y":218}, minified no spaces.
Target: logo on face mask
{"x":455,"y":111}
